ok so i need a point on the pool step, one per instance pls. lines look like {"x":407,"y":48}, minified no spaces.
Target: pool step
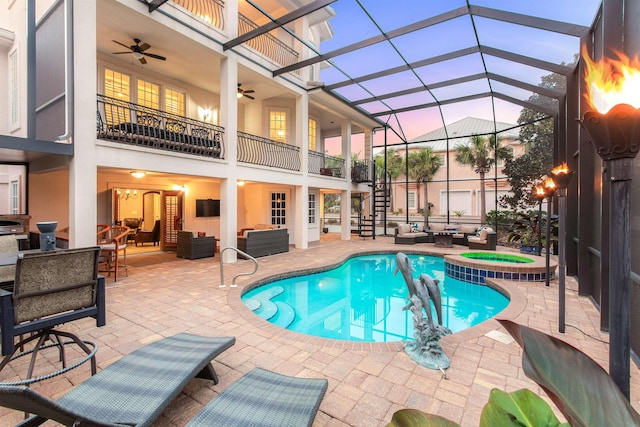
{"x":286,"y":315}
{"x":264,"y":307}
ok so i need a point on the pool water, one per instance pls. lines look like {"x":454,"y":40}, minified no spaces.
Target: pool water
{"x":496,"y":257}
{"x":361,"y":300}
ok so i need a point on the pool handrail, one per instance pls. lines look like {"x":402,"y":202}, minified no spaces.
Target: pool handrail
{"x":233,"y":281}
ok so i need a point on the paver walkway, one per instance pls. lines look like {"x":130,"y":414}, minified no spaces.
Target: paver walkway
{"x":367,"y":382}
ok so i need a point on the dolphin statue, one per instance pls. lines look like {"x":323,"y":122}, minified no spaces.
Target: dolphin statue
{"x":433,"y":290}
{"x":404,"y":266}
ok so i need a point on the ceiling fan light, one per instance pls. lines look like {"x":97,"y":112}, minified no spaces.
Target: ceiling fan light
{"x":138,"y":55}
{"x":239,"y":95}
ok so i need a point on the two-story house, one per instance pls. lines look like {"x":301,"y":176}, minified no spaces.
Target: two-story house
{"x":137,"y":109}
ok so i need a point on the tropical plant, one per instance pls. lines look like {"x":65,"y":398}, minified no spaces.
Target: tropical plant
{"x":524,"y":229}
{"x":481,"y":154}
{"x":579,"y":387}
{"x":423,"y":164}
{"x":536,"y":133}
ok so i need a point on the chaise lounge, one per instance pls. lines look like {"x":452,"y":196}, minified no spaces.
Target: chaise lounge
{"x":134,"y":390}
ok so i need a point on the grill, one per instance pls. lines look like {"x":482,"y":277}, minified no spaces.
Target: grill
{"x":11,"y":227}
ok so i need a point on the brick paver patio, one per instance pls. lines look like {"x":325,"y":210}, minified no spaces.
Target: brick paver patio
{"x":367,"y":382}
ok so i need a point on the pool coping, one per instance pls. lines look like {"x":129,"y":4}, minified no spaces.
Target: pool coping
{"x":516,"y":306}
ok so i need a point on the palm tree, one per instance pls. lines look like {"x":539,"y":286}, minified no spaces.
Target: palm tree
{"x":423,"y":165}
{"x":479,"y":154}
{"x":394,"y":167}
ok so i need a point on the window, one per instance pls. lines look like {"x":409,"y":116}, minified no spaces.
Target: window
{"x":148,"y":94}
{"x":116,"y":85}
{"x":312,"y":208}
{"x":174,"y":102}
{"x":278,"y":126}
{"x":15,"y":198}
{"x":278,"y":209}
{"x":14,"y":90}
{"x":313,"y":134}
{"x":443,"y":159}
{"x":412,"y":199}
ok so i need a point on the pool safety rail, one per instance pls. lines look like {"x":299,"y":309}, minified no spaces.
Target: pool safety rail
{"x":233,"y":281}
{"x":476,"y":270}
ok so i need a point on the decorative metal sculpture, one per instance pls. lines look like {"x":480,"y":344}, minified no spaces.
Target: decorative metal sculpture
{"x":425,"y":349}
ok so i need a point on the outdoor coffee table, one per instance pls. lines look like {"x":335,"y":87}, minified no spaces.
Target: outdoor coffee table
{"x":443,"y":239}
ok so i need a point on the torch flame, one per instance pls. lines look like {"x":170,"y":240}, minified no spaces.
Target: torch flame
{"x":562,"y":169}
{"x":611,"y":82}
{"x":549,"y":183}
{"x":539,"y":190}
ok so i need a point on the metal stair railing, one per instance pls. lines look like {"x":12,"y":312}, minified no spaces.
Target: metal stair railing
{"x":233,"y":281}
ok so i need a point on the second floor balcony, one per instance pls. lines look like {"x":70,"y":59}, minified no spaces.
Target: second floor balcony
{"x":134,"y":124}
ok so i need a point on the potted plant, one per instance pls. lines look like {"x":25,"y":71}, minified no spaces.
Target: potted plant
{"x":525,"y":230}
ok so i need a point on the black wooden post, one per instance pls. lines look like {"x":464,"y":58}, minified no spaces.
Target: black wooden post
{"x":616,"y":135}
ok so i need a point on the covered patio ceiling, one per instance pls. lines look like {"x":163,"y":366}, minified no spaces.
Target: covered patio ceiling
{"x":417,"y":66}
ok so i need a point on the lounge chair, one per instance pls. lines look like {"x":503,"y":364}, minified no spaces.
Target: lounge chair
{"x":264,"y":398}
{"x":134,"y":390}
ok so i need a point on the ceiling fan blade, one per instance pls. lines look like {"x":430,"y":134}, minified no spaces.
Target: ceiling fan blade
{"x":122,"y":44}
{"x":249,"y":91}
{"x":142,"y":60}
{"x":120,"y":53}
{"x":248,"y":96}
{"x":151,"y":55}
{"x":144,"y":46}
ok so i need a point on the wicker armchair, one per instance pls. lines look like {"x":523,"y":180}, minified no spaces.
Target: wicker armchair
{"x":51,"y":288}
{"x":113,"y":254}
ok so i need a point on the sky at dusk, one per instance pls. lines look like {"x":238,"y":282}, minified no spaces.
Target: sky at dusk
{"x":357,"y":20}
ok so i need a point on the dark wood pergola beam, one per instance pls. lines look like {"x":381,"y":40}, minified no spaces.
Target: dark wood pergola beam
{"x":154,"y":4}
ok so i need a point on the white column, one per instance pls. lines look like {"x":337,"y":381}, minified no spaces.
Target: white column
{"x":345,"y":199}
{"x":229,"y":186}
{"x":301,"y":213}
{"x":83,"y":178}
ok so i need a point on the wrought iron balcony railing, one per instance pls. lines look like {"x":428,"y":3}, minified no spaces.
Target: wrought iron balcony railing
{"x":323,"y":164}
{"x":265,"y":152}
{"x":361,"y":171}
{"x":212,"y":12}
{"x":134,"y":124}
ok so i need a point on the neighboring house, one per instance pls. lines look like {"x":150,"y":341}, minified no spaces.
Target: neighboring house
{"x":463,"y":193}
{"x":125,"y":87}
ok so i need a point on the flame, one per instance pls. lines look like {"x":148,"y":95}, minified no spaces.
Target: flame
{"x":549,"y":183}
{"x":611,"y":82}
{"x":539,"y":190}
{"x":562,"y":169}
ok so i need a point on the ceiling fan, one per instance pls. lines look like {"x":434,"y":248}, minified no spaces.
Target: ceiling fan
{"x":242,"y":92}
{"x":138,"y":51}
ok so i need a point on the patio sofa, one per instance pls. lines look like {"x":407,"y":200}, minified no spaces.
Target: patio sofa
{"x":487,"y":239}
{"x":264,"y":240}
{"x":405,"y":235}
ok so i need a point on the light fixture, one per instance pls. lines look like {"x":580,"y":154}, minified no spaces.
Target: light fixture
{"x":138,"y":55}
{"x":239,"y":94}
{"x":241,"y":183}
{"x":138,"y":174}
{"x":182,"y":188}
{"x":128,"y":194}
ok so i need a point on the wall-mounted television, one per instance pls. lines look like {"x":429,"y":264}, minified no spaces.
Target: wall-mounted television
{"x":207,"y":207}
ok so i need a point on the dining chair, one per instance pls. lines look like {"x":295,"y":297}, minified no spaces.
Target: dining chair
{"x":101,"y":234}
{"x":113,"y":255}
{"x":51,"y":288}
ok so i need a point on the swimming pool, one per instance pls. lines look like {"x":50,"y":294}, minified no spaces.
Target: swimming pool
{"x":361,"y":300}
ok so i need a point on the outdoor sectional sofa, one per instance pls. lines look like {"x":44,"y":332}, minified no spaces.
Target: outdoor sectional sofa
{"x":406,"y":236}
{"x":264,"y":241}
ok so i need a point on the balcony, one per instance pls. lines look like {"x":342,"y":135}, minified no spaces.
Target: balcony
{"x":212,"y":12}
{"x":134,"y":124}
{"x":261,"y":151}
{"x":361,"y":171}
{"x":323,"y":164}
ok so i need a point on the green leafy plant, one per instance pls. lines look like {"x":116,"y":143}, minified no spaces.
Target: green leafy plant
{"x":524,"y":229}
{"x":580,"y":388}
